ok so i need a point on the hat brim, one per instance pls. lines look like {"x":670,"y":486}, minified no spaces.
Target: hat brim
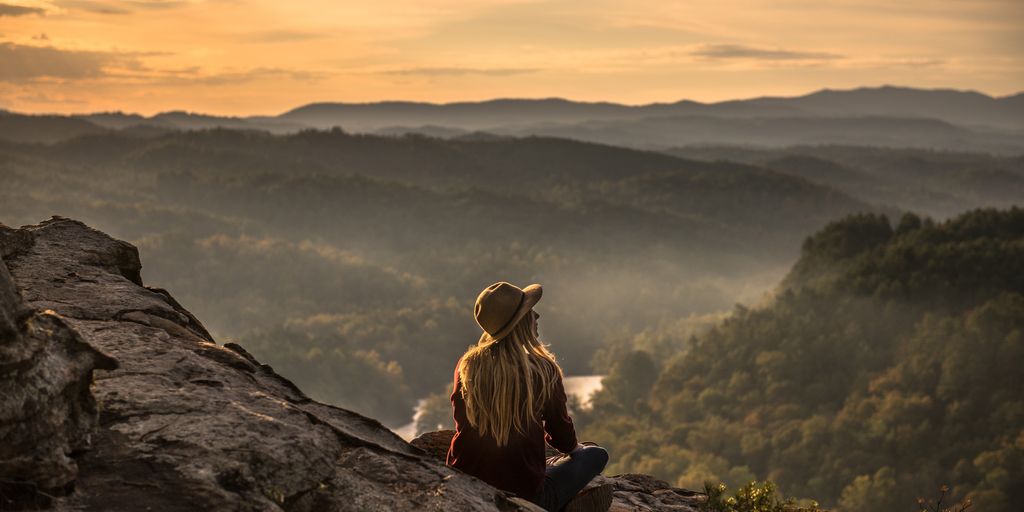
{"x":531,"y":295}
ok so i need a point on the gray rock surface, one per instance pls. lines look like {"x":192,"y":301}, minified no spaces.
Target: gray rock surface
{"x":46,"y":409}
{"x":631,"y":492}
{"x":184,"y":423}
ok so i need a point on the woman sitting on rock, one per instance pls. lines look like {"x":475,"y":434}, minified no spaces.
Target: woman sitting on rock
{"x":509,"y":400}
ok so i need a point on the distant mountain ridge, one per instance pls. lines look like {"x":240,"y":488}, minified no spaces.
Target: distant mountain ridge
{"x":775,"y":132}
{"x":958,"y":107}
{"x":885,"y":116}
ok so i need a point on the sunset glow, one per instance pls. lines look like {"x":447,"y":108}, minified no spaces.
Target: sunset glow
{"x":244,"y":57}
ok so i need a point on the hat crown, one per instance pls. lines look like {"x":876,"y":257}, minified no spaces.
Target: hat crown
{"x":496,"y":306}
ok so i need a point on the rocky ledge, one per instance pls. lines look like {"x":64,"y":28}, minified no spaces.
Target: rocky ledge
{"x":630,"y":492}
{"x":114,"y":397}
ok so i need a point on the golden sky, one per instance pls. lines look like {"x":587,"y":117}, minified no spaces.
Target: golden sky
{"x":244,"y":57}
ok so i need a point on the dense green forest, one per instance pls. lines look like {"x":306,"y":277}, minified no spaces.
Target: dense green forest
{"x":888,"y":362}
{"x":341,"y":258}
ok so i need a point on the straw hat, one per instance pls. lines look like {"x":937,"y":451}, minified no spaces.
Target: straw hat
{"x":501,"y":305}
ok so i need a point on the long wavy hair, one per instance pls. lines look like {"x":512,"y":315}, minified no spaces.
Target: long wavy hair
{"x":506,"y":382}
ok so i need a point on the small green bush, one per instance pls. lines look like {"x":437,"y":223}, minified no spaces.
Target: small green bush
{"x":753,"y":497}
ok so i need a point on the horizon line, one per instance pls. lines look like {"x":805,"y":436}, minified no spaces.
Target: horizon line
{"x":513,"y":98}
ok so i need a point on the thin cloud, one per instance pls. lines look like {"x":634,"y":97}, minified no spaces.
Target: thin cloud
{"x":40,"y":98}
{"x":31,"y":64}
{"x":157,"y":4}
{"x":282,"y":36}
{"x":22,"y":64}
{"x":94,"y":7}
{"x":915,"y":63}
{"x":120,"y":7}
{"x":738,"y":51}
{"x":455,"y":71}
{"x":894,"y":63}
{"x":237,"y":77}
{"x":193,"y":76}
{"x":19,"y":10}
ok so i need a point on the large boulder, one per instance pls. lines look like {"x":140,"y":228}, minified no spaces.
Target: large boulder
{"x":46,"y":409}
{"x":183,"y":423}
{"x":630,"y":492}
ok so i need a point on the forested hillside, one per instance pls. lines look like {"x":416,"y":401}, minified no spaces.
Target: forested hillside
{"x":339,"y":258}
{"x":888,"y":362}
{"x":774,"y":132}
{"x":936,"y":183}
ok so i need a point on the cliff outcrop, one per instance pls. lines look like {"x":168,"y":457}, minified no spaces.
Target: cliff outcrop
{"x":114,"y":397}
{"x":47,"y":411}
{"x":630,"y":492}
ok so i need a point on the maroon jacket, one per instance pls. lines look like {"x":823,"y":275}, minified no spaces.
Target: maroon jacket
{"x":517,"y":467}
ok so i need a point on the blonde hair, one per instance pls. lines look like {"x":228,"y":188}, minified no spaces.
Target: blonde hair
{"x":506,"y":382}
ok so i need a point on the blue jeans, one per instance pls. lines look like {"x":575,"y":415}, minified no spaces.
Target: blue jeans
{"x":569,"y":475}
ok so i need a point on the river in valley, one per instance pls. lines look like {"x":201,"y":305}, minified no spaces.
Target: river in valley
{"x":580,"y":386}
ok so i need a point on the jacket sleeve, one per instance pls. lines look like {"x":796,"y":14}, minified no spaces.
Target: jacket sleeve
{"x":459,"y":415}
{"x":458,"y":404}
{"x":558,"y":428}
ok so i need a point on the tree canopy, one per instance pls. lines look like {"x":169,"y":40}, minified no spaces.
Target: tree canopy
{"x":889,"y":361}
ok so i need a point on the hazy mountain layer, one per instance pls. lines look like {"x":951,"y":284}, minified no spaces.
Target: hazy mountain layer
{"x":324,"y":250}
{"x":662,"y":132}
{"x":958,"y":107}
{"x":885,"y":116}
{"x":936,"y":183}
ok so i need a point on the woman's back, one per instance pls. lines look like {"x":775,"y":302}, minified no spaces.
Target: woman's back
{"x":518,"y":466}
{"x":509,"y":401}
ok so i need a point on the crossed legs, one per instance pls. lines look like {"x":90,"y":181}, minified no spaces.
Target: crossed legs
{"x":569,"y":475}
